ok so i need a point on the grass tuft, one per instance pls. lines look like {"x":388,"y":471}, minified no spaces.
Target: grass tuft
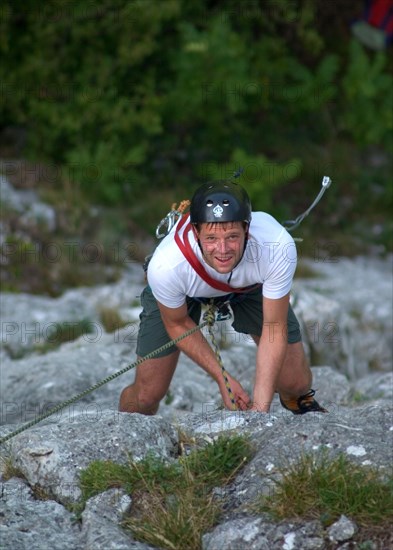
{"x":174,"y":521}
{"x":325,"y":488}
{"x":9,"y":470}
{"x":111,"y":319}
{"x":172,"y":503}
{"x":217,"y":463}
{"x":67,"y":331}
{"x":102,"y":475}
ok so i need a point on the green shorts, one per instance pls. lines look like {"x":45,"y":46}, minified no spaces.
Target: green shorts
{"x":247,"y":313}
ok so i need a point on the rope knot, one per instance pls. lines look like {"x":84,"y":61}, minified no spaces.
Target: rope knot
{"x":210,"y":314}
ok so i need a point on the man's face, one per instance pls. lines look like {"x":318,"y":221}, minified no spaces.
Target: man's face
{"x":222,"y":244}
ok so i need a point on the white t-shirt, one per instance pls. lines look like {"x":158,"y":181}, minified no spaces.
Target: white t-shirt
{"x":270,"y":259}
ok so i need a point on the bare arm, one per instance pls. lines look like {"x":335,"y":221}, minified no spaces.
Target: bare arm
{"x":177,"y":322}
{"x":271,"y":351}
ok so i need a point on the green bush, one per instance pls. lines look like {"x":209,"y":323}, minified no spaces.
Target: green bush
{"x":131,"y":101}
{"x":367,"y":112}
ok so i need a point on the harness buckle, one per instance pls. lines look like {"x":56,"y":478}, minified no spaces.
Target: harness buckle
{"x":223,"y":312}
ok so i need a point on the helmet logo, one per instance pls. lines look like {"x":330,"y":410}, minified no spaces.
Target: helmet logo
{"x":217,"y":211}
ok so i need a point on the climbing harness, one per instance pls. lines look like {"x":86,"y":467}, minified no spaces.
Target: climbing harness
{"x":217,"y":311}
{"x":182,"y":231}
{"x":209,"y":318}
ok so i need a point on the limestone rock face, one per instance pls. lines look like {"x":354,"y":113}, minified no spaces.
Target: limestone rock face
{"x":31,"y":523}
{"x":52,"y":455}
{"x":346,"y":312}
{"x":27,"y":204}
{"x":47,"y":458}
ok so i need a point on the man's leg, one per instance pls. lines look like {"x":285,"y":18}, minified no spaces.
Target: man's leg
{"x":151,"y":384}
{"x":294,"y":381}
{"x":295,"y":377}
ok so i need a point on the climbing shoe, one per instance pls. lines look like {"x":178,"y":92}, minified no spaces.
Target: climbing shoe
{"x":303,"y":404}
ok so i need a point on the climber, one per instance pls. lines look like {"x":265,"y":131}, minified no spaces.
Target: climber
{"x":225,"y":252}
{"x":375,"y":28}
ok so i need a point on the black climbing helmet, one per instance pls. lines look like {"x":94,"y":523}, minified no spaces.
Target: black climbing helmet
{"x":220,"y":201}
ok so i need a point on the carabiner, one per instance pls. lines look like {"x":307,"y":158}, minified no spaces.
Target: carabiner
{"x":168,"y":222}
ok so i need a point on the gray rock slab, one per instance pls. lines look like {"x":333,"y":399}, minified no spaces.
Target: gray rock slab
{"x":27,"y":203}
{"x":35,"y":384}
{"x":327,"y":330}
{"x":347,"y":311}
{"x":28,"y":321}
{"x":332,"y":387}
{"x":333,"y":391}
{"x":30,"y":524}
{"x":342,"y":530}
{"x":375,"y":386}
{"x":363,"y":434}
{"x":246,"y":532}
{"x":52,"y":456}
{"x":101,"y":520}
{"x":259,"y":534}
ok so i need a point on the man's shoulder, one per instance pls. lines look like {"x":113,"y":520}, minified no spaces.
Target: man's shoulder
{"x":167,"y":259}
{"x":263,"y":217}
{"x":266,"y":223}
{"x":168,"y":274}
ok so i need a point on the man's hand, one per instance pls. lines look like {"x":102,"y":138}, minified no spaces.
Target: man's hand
{"x":242,"y":399}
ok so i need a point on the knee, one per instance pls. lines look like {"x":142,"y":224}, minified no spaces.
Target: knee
{"x":149,"y":396}
{"x":139,"y":400}
{"x":148,"y":404}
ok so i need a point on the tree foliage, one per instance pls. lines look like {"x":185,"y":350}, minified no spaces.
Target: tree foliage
{"x":130,"y":95}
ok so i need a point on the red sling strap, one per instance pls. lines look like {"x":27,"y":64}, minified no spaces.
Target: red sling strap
{"x":193,"y":260}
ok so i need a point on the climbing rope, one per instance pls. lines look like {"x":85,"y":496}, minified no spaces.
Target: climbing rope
{"x":163,"y":228}
{"x":209,"y":318}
